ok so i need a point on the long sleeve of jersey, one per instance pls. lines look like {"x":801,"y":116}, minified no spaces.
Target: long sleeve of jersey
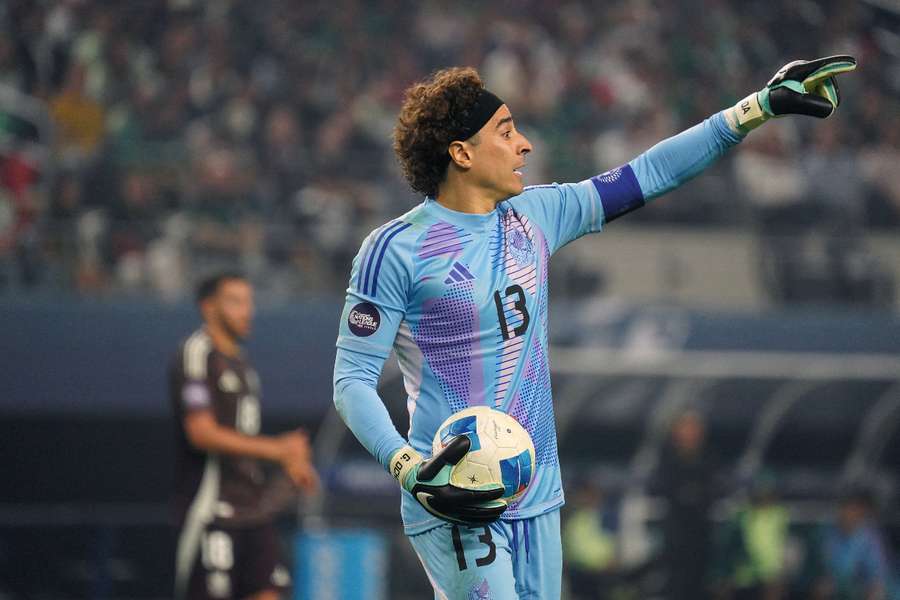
{"x":570,"y":210}
{"x":679,"y":158}
{"x":357,"y":401}
{"x":373,"y":312}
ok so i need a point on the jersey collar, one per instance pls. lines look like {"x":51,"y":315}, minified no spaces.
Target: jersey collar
{"x":470,"y":221}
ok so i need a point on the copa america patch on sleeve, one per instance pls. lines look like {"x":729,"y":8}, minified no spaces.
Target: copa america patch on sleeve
{"x":364,"y":319}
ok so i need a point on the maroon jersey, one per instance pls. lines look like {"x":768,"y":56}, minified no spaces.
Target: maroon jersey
{"x":214,"y":487}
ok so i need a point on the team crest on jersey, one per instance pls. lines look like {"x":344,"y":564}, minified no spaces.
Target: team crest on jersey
{"x":229,"y":382}
{"x":482,"y":591}
{"x":363,"y":319}
{"x":521,"y":248}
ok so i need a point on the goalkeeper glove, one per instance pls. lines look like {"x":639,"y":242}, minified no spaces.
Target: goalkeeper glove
{"x":801,"y":87}
{"x":429,"y":483}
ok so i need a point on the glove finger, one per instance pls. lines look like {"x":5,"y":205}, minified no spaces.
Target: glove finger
{"x":784,"y":101}
{"x":805,"y":70}
{"x":829,"y":90}
{"x":462,"y":513}
{"x":486,"y":513}
{"x":451,"y":454}
{"x":786,"y":72}
{"x":453,"y":494}
{"x":841,"y":64}
{"x":452,"y":505}
{"x":444,"y":516}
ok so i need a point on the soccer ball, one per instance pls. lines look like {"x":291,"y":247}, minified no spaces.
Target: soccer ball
{"x":501,"y":451}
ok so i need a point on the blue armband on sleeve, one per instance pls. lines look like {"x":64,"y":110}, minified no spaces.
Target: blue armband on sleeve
{"x":620,"y":192}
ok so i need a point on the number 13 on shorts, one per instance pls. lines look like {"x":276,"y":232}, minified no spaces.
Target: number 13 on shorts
{"x":506,"y":560}
{"x":486,"y":538}
{"x":467,"y":562}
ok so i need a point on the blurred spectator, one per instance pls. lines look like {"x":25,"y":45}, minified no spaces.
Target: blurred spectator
{"x":588,"y":545}
{"x":11,"y":73}
{"x":686,"y":479}
{"x":80,"y":119}
{"x":23,"y":172}
{"x":285,"y":160}
{"x":226,"y":224}
{"x":67,"y":204}
{"x":751,"y":549}
{"x":879,"y":165}
{"x":132,"y":227}
{"x":778,"y":199}
{"x":832,"y":169}
{"x":853,"y":553}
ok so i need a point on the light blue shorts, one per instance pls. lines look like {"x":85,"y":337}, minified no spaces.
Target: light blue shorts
{"x":507,"y":560}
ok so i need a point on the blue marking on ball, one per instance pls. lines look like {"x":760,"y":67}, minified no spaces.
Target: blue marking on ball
{"x":516,"y":473}
{"x":465,"y":426}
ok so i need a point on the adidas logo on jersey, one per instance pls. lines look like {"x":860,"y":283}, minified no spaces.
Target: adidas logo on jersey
{"x":458,"y":274}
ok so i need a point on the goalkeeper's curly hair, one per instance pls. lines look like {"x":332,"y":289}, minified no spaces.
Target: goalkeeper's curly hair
{"x":431,"y":112}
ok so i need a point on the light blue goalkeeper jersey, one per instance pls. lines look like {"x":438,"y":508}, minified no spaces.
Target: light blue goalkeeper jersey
{"x":462,"y":298}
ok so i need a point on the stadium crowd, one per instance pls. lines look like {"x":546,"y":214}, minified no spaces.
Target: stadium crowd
{"x":144,"y":142}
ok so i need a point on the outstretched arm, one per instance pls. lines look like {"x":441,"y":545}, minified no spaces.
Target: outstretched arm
{"x":800,"y":87}
{"x":567,"y":211}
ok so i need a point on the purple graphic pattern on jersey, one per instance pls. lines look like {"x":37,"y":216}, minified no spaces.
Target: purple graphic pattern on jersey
{"x":481,"y":591}
{"x":446,"y":335}
{"x":519,"y":237}
{"x":444,"y":238}
{"x":533,"y":404}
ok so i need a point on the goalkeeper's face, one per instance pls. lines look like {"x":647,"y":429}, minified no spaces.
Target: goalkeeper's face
{"x":233,"y":308}
{"x":497,"y":154}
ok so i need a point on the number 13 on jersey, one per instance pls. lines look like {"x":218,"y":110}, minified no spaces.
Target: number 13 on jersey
{"x":512,"y":312}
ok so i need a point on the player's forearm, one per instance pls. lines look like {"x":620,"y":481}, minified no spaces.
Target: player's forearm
{"x":223,"y":440}
{"x":681,"y":157}
{"x":664,"y":167}
{"x":357,"y":401}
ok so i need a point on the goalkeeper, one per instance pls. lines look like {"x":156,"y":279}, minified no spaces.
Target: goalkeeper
{"x":458,"y":287}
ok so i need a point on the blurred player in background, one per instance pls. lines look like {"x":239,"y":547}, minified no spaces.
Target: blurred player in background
{"x":854,"y":557}
{"x":458,"y":287}
{"x":686,"y":479}
{"x":226,"y":501}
